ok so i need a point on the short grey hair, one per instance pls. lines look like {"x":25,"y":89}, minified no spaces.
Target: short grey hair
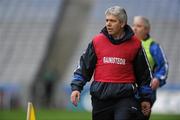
{"x":145,"y":21}
{"x":117,"y":11}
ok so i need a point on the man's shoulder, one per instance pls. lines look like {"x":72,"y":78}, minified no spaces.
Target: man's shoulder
{"x":154,"y":43}
{"x":135,"y":39}
{"x":99,"y":37}
{"x":155,"y":46}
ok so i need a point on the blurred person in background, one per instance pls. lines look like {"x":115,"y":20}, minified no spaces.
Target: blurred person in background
{"x":43,"y":88}
{"x":49,"y":79}
{"x":155,"y":54}
{"x":120,"y":68}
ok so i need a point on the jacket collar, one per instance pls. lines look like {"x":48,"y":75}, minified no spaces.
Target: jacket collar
{"x":128,"y":34}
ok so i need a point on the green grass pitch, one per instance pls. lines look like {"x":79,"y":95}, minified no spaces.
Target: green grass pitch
{"x":65,"y":115}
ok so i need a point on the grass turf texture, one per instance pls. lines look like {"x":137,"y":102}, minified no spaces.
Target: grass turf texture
{"x":65,"y":115}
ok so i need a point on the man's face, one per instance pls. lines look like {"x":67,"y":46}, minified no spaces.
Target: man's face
{"x":113,"y":25}
{"x":139,"y":28}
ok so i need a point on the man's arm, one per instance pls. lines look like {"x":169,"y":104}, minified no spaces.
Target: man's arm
{"x":143,"y":74}
{"x":83,"y":73}
{"x":160,"y":71}
{"x":143,"y":79}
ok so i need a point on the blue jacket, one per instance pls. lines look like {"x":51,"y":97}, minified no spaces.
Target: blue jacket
{"x":160,"y":65}
{"x":160,"y":70}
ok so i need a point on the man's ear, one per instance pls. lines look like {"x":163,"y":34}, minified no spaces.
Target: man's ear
{"x":147,"y":30}
{"x":122,"y":25}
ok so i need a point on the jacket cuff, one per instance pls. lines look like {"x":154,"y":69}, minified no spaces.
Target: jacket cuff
{"x":146,"y":100}
{"x":74,"y":87}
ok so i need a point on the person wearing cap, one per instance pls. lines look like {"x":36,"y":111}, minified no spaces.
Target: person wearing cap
{"x":117,"y":61}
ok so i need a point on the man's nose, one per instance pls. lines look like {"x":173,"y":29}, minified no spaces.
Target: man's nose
{"x":108,"y":23}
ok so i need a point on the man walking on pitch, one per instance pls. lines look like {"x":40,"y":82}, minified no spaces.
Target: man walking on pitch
{"x":155,"y":54}
{"x":116,"y":58}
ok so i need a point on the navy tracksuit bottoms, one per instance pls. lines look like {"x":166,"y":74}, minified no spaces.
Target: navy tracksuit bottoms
{"x":116,"y":109}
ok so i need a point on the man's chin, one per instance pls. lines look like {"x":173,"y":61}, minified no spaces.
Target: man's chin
{"x":110,"y":33}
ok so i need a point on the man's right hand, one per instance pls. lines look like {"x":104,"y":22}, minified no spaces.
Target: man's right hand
{"x":75,"y":97}
{"x":154,"y":83}
{"x":146,"y":108}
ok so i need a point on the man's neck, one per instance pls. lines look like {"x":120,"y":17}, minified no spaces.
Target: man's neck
{"x":146,"y":37}
{"x":120,"y":36}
